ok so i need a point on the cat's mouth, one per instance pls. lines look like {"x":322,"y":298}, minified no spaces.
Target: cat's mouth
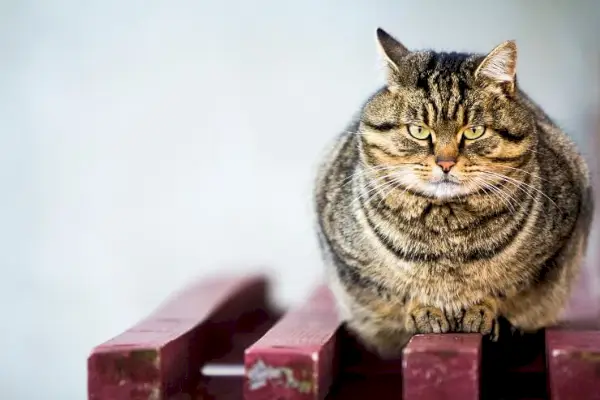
{"x":445,"y":187}
{"x":446,"y":179}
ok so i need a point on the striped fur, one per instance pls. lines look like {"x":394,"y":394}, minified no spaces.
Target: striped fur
{"x":405,"y":255}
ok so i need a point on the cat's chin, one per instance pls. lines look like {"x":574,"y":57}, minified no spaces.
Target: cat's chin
{"x":444,"y":190}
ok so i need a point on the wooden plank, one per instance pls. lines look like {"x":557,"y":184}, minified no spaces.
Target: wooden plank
{"x":573,"y":359}
{"x":162,"y":354}
{"x":573,"y":346}
{"x":296,"y":359}
{"x":443,"y":366}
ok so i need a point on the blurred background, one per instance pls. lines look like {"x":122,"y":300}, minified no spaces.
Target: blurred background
{"x":146,"y":143}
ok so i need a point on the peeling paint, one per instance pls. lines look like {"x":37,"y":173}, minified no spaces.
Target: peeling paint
{"x":146,"y":356}
{"x":154,"y":394}
{"x":589,"y":356}
{"x":260,"y":374}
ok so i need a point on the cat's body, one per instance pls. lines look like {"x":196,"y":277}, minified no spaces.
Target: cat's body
{"x":432,"y":232}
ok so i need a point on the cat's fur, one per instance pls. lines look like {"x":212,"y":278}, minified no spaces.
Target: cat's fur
{"x":407,"y":255}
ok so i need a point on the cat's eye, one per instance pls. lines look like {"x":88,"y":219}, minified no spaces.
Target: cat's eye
{"x":474,"y":132}
{"x":419,"y":132}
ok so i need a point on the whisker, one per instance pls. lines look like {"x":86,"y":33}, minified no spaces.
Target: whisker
{"x":518,"y":184}
{"x":365,"y":170}
{"x":504,"y":197}
{"x":505,"y":179}
{"x":390,"y":184}
{"x":382,"y":187}
{"x":399,"y":183}
{"x":523,"y":171}
{"x":378,"y":186}
{"x":386,"y":194}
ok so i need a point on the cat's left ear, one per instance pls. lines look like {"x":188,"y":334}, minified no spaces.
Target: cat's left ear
{"x":500,"y":66}
{"x":393,"y":52}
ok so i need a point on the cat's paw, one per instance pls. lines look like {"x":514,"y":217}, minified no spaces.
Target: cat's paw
{"x":424,"y":319}
{"x":481,"y":318}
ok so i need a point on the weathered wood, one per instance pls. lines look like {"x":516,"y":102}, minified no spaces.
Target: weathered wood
{"x":296,"y":359}
{"x":444,"y":366}
{"x":161,"y":356}
{"x":573,"y":364}
{"x":573,"y":346}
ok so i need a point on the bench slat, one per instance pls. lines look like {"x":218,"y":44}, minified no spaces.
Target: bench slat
{"x":573,"y":364}
{"x":444,"y":366}
{"x":296,"y":358}
{"x":163,"y":353}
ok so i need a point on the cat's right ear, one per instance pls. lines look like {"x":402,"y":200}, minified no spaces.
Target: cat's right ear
{"x":393,"y":52}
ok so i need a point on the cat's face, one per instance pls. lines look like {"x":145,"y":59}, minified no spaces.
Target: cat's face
{"x":446,"y":125}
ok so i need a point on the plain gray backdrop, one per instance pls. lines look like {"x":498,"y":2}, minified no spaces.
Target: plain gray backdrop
{"x":148,"y":142}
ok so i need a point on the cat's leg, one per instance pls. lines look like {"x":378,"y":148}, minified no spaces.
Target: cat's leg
{"x":386,"y":338}
{"x":375,"y":322}
{"x":375,"y":318}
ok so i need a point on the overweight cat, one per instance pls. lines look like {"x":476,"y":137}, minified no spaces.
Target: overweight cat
{"x":451,"y":200}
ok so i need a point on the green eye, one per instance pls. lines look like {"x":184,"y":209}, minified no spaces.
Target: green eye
{"x":419,"y":132}
{"x":475,"y":132}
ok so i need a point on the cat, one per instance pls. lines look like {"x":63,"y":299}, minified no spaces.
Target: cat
{"x":450,"y":201}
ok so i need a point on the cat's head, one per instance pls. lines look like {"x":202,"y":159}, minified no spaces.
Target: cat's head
{"x":447,"y":124}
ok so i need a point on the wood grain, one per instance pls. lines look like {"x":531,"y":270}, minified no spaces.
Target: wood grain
{"x":444,"y":366}
{"x":162,"y":355}
{"x":573,"y":364}
{"x":296,"y":359}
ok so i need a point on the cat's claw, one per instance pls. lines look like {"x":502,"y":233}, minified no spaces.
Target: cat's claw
{"x":423,"y":319}
{"x":481,"y":318}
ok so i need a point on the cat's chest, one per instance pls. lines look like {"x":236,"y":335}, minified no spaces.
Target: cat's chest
{"x":448,"y":222}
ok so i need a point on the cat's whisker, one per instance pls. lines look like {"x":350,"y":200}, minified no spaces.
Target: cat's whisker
{"x":523,"y":171}
{"x":520,"y":185}
{"x":504,"y":197}
{"x":391,"y":183}
{"x":517,"y":186}
{"x":388,"y":185}
{"x":535,"y":176}
{"x":381,"y":189}
{"x":399,"y":183}
{"x":365,"y":170}
{"x":385,"y":195}
{"x":512,"y":199}
{"x":378,"y":186}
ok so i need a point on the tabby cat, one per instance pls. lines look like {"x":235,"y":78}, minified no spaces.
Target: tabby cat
{"x":451,"y":200}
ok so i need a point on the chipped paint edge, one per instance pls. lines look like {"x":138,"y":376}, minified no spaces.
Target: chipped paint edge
{"x":260,"y":374}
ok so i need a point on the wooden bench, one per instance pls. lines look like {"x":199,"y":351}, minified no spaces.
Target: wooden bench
{"x":222,"y":339}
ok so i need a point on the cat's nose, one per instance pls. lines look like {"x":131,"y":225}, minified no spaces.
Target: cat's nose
{"x":446,"y":163}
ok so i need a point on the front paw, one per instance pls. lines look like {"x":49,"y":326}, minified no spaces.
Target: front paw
{"x":425,"y":319}
{"x":481,"y":318}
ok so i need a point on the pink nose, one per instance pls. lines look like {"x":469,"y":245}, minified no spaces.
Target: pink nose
{"x":446,"y":164}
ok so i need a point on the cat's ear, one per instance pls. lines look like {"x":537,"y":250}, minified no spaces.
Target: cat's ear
{"x":393,"y":52}
{"x":500,"y":66}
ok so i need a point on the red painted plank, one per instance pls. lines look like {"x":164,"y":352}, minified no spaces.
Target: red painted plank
{"x":444,"y":366}
{"x":573,"y":359}
{"x":162,"y":354}
{"x":296,"y":359}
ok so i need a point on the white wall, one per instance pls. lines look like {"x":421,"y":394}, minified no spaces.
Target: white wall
{"x":146,"y":142}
